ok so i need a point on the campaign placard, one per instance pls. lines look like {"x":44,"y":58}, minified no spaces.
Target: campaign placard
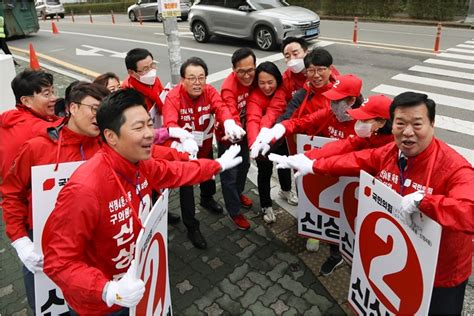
{"x":349,"y":194}
{"x":393,"y":267}
{"x":318,"y":198}
{"x":170,"y":8}
{"x":152,"y":255}
{"x":45,"y":186}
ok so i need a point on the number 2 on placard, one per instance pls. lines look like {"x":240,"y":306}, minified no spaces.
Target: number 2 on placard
{"x":328,"y":197}
{"x":145,"y":207}
{"x":390,"y":263}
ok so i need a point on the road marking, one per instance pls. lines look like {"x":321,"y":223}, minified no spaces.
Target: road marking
{"x":465,"y":152}
{"x":59,"y":62}
{"x":56,"y":69}
{"x":465,"y":46}
{"x":359,"y":43}
{"x":456,"y":56}
{"x":449,"y":63}
{"x":141,"y":42}
{"x":460,"y":50}
{"x":443,"y":72}
{"x":181,"y":34}
{"x":398,"y":32}
{"x":469,"y":42}
{"x":93,"y":51}
{"x":460,"y":103}
{"x":435,"y":82}
{"x":454,"y":124}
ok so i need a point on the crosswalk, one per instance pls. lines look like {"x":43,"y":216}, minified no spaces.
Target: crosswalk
{"x":448,"y":79}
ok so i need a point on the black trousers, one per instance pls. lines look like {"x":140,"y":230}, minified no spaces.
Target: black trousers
{"x":186,"y":199}
{"x":284,"y":175}
{"x":4,"y":46}
{"x":447,"y":300}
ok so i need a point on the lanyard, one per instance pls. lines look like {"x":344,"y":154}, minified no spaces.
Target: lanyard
{"x":129,"y":201}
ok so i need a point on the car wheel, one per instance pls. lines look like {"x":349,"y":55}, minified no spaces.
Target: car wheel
{"x":200,"y":32}
{"x":61,"y":16}
{"x":158,"y":17}
{"x":265,"y":38}
{"x":132,"y":16}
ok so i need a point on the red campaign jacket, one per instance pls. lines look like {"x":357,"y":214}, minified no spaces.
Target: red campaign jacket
{"x":350,"y":144}
{"x":60,"y":145}
{"x":195,"y":115}
{"x":262,"y":111}
{"x":150,"y":93}
{"x":16,"y":127}
{"x":322,"y":123}
{"x":292,"y":82}
{"x":450,"y":203}
{"x":90,"y":236}
{"x":235,"y":96}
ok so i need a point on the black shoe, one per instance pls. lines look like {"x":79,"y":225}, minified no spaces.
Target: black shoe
{"x":212,"y":205}
{"x":330,"y":265}
{"x":197,"y":239}
{"x":173,"y":218}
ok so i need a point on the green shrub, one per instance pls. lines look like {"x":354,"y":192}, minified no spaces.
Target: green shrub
{"x":103,"y":7}
{"x":441,"y":10}
{"x":375,"y":8}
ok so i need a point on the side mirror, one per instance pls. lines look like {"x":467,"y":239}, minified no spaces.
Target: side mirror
{"x":139,"y":2}
{"x":245,"y":8}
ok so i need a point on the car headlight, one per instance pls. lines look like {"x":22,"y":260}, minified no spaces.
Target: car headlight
{"x":287,"y":25}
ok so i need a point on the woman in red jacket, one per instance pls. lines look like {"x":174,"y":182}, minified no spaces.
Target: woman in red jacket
{"x":264,"y":106}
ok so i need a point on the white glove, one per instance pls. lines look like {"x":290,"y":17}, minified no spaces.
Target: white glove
{"x":181,"y":133}
{"x":233,"y":131}
{"x":126,"y":292}
{"x":302,"y":164}
{"x":229,"y":158}
{"x":258,"y":148}
{"x":190,"y":146}
{"x":278,"y":131}
{"x":264,"y":136}
{"x":25,"y":249}
{"x":410,"y":204}
{"x":282,"y":161}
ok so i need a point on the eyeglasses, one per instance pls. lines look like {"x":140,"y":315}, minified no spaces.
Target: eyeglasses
{"x":94,"y":108}
{"x":47,"y":93}
{"x":146,"y":69}
{"x":243,"y":72}
{"x":200,"y":79}
{"x":312,"y":71}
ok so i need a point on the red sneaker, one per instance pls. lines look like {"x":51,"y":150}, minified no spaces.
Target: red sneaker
{"x":245,"y":201}
{"x":240,"y":221}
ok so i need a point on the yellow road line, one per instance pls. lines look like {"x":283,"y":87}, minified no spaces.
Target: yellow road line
{"x":62,"y":63}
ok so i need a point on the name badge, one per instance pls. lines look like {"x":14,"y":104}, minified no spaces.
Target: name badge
{"x":407,"y":183}
{"x":198,"y":137}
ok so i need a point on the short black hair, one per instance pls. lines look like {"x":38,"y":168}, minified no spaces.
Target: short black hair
{"x":242,"y":53}
{"x":86,"y":89}
{"x":134,"y":56}
{"x":318,"y":57}
{"x":270,"y":68}
{"x":303,"y":43}
{"x":29,"y":82}
{"x":103,"y":79}
{"x":110,"y":113}
{"x":193,"y":61}
{"x":408,"y":99}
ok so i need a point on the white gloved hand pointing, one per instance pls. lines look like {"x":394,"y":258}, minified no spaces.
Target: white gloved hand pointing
{"x":229,"y":158}
{"x":126,"y":292}
{"x":25,"y":249}
{"x":233,"y":131}
{"x":410,"y":203}
{"x":180,"y":133}
{"x":190,"y":146}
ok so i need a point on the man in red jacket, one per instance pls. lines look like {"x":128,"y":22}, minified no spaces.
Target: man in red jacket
{"x":87,"y":250}
{"x":142,"y":77}
{"x":74,"y":140}
{"x":432,"y":178}
{"x":35,"y":100}
{"x":235,"y":91}
{"x":294,"y":50}
{"x":195,"y":107}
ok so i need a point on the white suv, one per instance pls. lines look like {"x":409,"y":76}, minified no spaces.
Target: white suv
{"x":267,"y":22}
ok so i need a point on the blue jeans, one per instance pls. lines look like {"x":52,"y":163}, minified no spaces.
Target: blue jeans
{"x":123,"y":312}
{"x":233,"y":180}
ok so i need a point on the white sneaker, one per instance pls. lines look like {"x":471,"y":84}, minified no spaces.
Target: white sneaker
{"x":312,"y":245}
{"x":268,"y":215}
{"x":289,"y":196}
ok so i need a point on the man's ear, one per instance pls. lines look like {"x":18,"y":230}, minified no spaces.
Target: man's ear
{"x":111,"y":137}
{"x":133,"y":73}
{"x":26,"y":100}
{"x":72,"y":108}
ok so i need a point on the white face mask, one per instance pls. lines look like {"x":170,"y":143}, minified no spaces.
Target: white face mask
{"x":339,"y":109}
{"x":295,"y":65}
{"x":363,"y":129}
{"x":148,"y":78}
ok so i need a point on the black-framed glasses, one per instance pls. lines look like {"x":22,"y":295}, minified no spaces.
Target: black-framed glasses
{"x":146,"y":69}
{"x":243,"y":72}
{"x":94,"y":108}
{"x":200,"y":79}
{"x":312,"y":71}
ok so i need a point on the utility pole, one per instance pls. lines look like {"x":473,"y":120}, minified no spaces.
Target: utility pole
{"x":470,"y":13}
{"x":170,"y":10}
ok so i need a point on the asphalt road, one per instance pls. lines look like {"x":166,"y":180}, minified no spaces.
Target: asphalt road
{"x":383,"y":58}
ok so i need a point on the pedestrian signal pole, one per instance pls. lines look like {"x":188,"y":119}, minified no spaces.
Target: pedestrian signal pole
{"x":170,"y":10}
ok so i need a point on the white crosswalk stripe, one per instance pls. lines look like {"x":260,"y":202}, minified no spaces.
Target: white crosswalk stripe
{"x":445,"y":79}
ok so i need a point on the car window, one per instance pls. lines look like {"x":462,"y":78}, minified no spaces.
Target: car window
{"x":234,"y":4}
{"x":268,"y":4}
{"x":219,"y":3}
{"x":52,"y":1}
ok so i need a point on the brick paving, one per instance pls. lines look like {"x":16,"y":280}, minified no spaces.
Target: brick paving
{"x":263,"y":271}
